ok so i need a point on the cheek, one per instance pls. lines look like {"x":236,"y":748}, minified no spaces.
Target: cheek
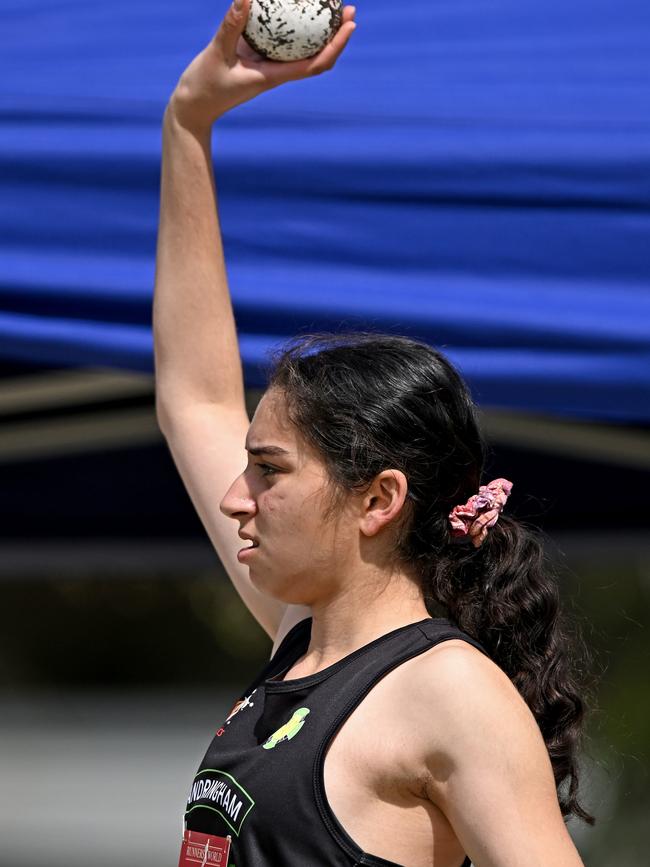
{"x":281,"y":514}
{"x":294,"y":515}
{"x":271,"y":502}
{"x":295,"y":521}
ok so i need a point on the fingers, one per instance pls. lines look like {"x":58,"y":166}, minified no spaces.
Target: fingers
{"x":326,"y":58}
{"x":340,"y":39}
{"x":319,"y":63}
{"x":245,"y":52}
{"x":231,"y":28}
{"x":348,"y":13}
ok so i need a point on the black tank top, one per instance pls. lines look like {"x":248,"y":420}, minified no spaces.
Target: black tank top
{"x":261,"y":780}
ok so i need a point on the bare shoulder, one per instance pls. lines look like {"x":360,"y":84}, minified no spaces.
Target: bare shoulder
{"x":467,"y":688}
{"x":483,"y":760}
{"x":468,"y":707}
{"x":456,"y":670}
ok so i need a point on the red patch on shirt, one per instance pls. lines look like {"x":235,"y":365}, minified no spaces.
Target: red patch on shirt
{"x":204,"y":850}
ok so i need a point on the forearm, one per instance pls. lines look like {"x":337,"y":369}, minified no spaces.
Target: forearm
{"x":196,"y":350}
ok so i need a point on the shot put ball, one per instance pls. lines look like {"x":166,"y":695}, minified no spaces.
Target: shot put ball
{"x":292,"y":29}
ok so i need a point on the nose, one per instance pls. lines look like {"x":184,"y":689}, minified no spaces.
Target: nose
{"x":237,"y":501}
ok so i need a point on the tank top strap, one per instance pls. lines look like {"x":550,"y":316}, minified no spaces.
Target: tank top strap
{"x":348,"y":686}
{"x":291,"y":648}
{"x":438,"y":629}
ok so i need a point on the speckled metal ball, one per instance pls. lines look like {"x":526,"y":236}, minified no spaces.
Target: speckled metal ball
{"x":292,"y":29}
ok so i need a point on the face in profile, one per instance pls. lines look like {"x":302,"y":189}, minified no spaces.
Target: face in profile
{"x":280,"y":499}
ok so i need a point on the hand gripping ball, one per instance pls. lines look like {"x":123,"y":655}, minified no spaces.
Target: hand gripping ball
{"x":292,"y":29}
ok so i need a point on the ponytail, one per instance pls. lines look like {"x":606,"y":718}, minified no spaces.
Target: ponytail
{"x":505,"y":594}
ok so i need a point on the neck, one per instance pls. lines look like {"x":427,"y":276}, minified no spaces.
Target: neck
{"x":357,"y":615}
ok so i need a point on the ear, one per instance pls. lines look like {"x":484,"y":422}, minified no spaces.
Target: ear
{"x":383,"y":501}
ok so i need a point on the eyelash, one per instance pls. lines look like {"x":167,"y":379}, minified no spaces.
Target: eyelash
{"x":267,"y":467}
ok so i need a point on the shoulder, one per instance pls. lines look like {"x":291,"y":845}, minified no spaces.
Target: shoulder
{"x":482,"y":759}
{"x":453,"y":670}
{"x":458,"y":676}
{"x":469,"y":715}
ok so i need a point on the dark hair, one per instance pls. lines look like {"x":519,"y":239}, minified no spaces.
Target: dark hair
{"x":369,"y":401}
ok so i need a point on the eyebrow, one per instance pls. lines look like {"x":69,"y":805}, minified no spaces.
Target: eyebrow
{"x":267,"y":450}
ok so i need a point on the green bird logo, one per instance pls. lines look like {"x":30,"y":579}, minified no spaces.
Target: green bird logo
{"x":288,"y":730}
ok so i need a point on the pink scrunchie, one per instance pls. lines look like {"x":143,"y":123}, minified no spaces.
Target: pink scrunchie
{"x":481,"y":510}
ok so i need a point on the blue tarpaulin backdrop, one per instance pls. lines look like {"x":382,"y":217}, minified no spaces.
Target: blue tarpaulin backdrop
{"x":473,"y":172}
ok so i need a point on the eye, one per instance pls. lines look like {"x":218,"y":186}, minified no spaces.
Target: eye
{"x":269,"y":470}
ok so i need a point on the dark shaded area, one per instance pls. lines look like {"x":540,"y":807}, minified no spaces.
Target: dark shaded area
{"x":137,"y":492}
{"x":127,"y":633}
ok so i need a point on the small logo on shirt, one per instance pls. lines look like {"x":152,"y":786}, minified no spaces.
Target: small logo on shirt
{"x":289,"y":730}
{"x":240,"y":704}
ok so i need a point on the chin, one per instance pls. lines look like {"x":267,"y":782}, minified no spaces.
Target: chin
{"x":281,"y":589}
{"x":266,"y":583}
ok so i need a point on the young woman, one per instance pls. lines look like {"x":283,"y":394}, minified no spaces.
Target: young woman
{"x":418,"y":708}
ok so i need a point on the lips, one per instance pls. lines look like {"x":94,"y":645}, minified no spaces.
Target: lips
{"x":245,"y":553}
{"x":246,"y":537}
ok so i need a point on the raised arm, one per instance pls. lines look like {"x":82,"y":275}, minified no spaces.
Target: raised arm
{"x":200,"y":403}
